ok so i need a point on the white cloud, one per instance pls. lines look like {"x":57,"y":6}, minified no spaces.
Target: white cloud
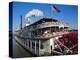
{"x":34,"y":12}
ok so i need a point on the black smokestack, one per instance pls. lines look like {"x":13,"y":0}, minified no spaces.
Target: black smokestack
{"x":21,"y":23}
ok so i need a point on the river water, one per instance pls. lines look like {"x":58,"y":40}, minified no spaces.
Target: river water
{"x":19,"y":51}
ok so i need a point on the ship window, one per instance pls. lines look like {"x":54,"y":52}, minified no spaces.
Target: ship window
{"x":29,"y":43}
{"x":41,"y":47}
{"x":37,"y":45}
{"x":26,"y":43}
{"x":33,"y":45}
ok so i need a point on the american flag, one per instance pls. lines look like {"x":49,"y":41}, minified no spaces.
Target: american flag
{"x":55,"y":9}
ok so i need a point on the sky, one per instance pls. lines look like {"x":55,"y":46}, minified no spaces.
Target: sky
{"x":68,"y":14}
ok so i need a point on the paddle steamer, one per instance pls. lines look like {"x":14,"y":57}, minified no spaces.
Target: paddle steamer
{"x":48,"y":36}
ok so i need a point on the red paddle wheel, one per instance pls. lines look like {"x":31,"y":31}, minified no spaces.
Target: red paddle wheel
{"x":67,"y":44}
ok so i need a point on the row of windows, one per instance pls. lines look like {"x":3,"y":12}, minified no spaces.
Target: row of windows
{"x":28,"y":43}
{"x":33,"y":44}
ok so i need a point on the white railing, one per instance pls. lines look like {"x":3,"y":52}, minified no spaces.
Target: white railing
{"x":48,"y":24}
{"x":50,"y":34}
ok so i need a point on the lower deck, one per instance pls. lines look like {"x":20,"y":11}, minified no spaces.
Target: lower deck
{"x":56,"y":45}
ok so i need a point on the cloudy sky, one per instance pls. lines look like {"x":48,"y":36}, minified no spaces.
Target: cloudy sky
{"x":68,"y":14}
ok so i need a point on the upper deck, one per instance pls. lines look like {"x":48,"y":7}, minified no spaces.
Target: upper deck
{"x":44,"y":29}
{"x":45,"y":23}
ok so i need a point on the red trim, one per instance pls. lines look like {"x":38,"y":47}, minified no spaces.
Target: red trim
{"x":70,"y":35}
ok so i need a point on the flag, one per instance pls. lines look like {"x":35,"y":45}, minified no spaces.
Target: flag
{"x":55,"y":9}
